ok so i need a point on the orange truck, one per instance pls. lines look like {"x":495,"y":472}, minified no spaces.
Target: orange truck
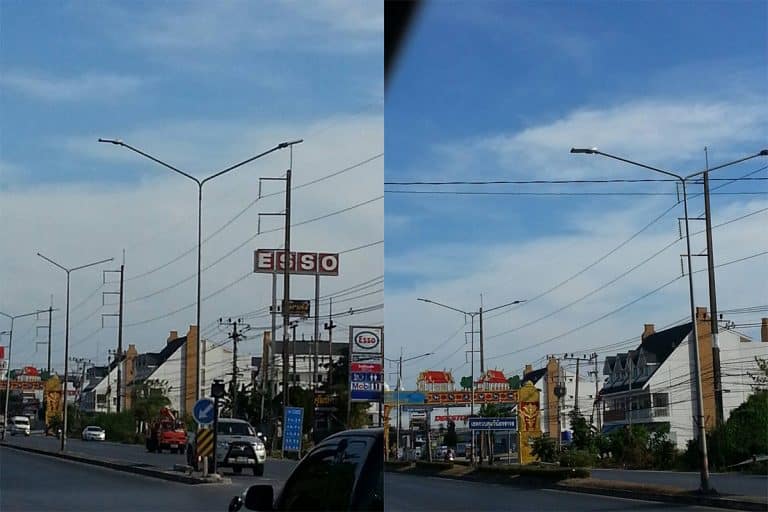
{"x":166,"y":432}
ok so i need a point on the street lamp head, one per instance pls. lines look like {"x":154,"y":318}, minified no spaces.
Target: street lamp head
{"x":112,"y":141}
{"x":585,"y":151}
{"x":290,"y":143}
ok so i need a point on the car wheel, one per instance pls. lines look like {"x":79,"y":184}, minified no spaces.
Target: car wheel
{"x":237,"y":470}
{"x":258,"y":470}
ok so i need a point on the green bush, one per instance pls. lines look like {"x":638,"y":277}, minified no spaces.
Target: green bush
{"x":545,"y":449}
{"x":578,"y":459}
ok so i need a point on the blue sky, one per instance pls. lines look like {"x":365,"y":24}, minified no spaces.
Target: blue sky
{"x":502,"y":90}
{"x":201,"y":85}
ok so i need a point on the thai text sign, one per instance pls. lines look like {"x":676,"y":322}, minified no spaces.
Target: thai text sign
{"x":465,"y":397}
{"x":493,"y":424}
{"x":271,"y":261}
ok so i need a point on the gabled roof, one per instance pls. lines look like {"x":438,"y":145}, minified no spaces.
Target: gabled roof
{"x":535,"y":376}
{"x":493,"y":377}
{"x":155,"y":360}
{"x":656,"y":348}
{"x":435,"y":377}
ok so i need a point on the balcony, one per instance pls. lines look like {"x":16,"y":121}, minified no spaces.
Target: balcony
{"x":621,"y":416}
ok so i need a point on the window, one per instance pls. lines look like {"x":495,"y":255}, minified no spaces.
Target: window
{"x":325,"y":480}
{"x":228,"y":428}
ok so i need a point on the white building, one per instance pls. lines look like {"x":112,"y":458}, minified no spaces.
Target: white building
{"x":653,"y":384}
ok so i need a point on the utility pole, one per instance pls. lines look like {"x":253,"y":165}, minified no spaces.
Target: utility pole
{"x":578,"y":359}
{"x":119,"y":316}
{"x":235,"y":336}
{"x":287,"y":285}
{"x":294,"y":324}
{"x":112,"y":353}
{"x":317,"y":331}
{"x":717,"y":372}
{"x":330,"y":326}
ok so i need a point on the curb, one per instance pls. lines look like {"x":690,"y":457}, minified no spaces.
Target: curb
{"x":706,"y":501}
{"x":733,"y":503}
{"x":122,"y":466}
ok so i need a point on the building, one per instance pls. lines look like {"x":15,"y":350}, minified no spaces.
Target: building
{"x":173,"y":366}
{"x":492,"y":380}
{"x":555,"y":411}
{"x":653,"y":386}
{"x":435,"y":380}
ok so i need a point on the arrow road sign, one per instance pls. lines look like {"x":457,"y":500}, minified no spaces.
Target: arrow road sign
{"x":203,"y":411}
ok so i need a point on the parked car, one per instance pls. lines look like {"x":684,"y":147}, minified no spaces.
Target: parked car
{"x":238,"y":446}
{"x":94,"y":433}
{"x":19,"y":425}
{"x":344,"y":472}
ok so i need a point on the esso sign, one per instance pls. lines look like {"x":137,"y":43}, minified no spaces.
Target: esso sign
{"x":367,"y":340}
{"x":271,"y":261}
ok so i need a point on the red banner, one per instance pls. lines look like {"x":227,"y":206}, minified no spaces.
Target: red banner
{"x":23,"y":386}
{"x":465,"y":397}
{"x":367,"y":367}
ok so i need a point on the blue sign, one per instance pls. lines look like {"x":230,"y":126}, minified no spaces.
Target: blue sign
{"x":203,"y":411}
{"x":292,"y":430}
{"x":406,"y":397}
{"x":493,"y":423}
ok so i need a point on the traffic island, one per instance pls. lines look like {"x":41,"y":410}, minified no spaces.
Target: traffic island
{"x":663,"y":493}
{"x":574,"y":480}
{"x":178,"y":475}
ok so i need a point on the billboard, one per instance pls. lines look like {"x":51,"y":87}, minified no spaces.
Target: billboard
{"x":366,"y":364}
{"x":272,"y":261}
{"x":296,"y":308}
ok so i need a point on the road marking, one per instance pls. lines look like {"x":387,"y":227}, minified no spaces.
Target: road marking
{"x":604,"y":496}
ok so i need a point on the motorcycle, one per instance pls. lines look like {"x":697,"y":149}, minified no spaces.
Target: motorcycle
{"x":449,"y":457}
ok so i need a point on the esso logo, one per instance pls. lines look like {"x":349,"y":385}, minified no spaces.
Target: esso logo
{"x":367,"y":340}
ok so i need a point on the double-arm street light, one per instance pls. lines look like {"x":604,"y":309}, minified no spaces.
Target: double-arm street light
{"x":66,"y":340}
{"x":705,"y":485}
{"x":8,"y":363}
{"x":472,"y":315}
{"x":400,"y":362}
{"x":200,"y":184}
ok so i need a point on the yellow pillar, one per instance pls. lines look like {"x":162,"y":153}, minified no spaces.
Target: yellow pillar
{"x":528,"y":421}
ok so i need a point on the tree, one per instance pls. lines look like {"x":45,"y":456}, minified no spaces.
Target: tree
{"x":662,"y":449}
{"x":358,"y":416}
{"x":544,"y":449}
{"x":148,"y":398}
{"x":584,"y":435}
{"x":514,"y":382}
{"x":466,"y":383}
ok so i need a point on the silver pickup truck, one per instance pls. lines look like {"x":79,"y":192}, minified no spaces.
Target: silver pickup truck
{"x":237,"y":446}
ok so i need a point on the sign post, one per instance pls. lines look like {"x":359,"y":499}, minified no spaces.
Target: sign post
{"x":366,"y":367}
{"x":217,"y":390}
{"x":292,"y":431}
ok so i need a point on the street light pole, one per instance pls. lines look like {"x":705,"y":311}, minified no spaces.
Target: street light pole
{"x":8,"y":370}
{"x":66,"y":340}
{"x":400,"y":362}
{"x":700,"y":427}
{"x":200,"y":184}
{"x":472,"y":315}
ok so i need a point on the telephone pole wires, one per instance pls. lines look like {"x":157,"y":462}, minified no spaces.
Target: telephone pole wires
{"x":119,"y":315}
{"x":235,"y":337}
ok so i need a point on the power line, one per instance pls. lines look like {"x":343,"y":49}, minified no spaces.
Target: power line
{"x":555,"y":182}
{"x":558,"y":194}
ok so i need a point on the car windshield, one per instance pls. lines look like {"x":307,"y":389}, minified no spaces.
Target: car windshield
{"x":235,"y":429}
{"x":94,"y":429}
{"x":21,"y":421}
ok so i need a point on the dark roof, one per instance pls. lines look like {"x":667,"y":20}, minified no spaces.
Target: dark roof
{"x":154,"y":360}
{"x":657,"y":348}
{"x":535,"y":375}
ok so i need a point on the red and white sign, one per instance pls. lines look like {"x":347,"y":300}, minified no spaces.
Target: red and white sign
{"x":30,"y":371}
{"x":270,"y":261}
{"x":458,"y":417}
{"x":367,"y":367}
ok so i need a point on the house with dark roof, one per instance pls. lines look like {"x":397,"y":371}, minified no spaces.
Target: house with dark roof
{"x":653,"y":384}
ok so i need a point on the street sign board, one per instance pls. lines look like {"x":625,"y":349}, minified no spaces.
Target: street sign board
{"x":272,"y":261}
{"x":296,"y":308}
{"x":366,"y":365}
{"x":293,"y":421}
{"x":203,"y":411}
{"x":493,"y":424}
{"x":367,"y":340}
{"x":204,"y":442}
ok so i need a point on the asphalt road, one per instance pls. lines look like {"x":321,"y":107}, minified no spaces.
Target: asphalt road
{"x":137,"y":454}
{"x":32,"y":482}
{"x":727,"y":483}
{"x":417,"y":493}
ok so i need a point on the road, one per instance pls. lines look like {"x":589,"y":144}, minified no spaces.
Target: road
{"x":418,"y":493}
{"x":36,"y":482}
{"x":726,"y":483}
{"x":137,"y":454}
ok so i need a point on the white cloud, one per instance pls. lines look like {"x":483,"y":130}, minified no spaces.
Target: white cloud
{"x":87,"y":86}
{"x":154,"y":219}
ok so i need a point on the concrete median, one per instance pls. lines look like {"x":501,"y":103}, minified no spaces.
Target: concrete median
{"x":185,"y":477}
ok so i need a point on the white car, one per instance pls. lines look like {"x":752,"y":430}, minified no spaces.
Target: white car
{"x":19,"y":425}
{"x":94,"y":433}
